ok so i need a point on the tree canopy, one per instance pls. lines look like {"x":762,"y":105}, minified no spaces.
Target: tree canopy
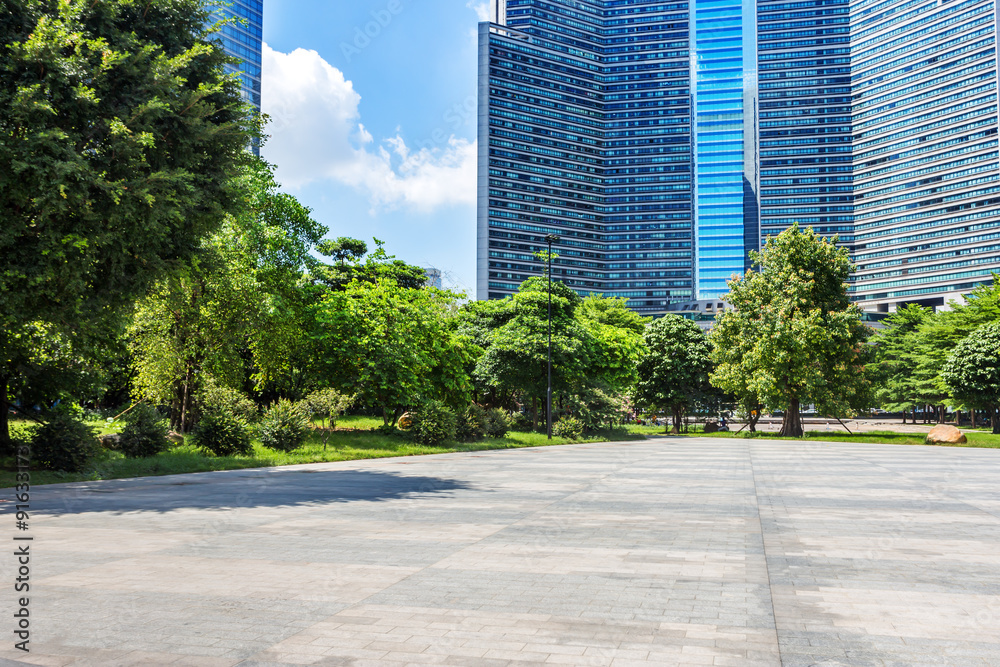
{"x":118,"y":133}
{"x":674,"y":367}
{"x":793,"y":337}
{"x":972,"y":372}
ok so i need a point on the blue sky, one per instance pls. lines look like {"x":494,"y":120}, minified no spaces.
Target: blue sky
{"x":373,"y":108}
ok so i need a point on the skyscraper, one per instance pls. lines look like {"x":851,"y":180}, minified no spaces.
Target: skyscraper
{"x":584,"y":131}
{"x":243,"y":39}
{"x":926,"y":167}
{"x":664,"y":140}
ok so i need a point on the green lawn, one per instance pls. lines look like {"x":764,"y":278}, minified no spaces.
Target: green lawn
{"x":353,"y":439}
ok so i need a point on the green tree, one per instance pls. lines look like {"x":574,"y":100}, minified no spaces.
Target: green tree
{"x":898,"y":355}
{"x":118,"y":133}
{"x":972,"y":372}
{"x":793,"y":337}
{"x":392,"y":346}
{"x":617,"y":343}
{"x":936,"y":337}
{"x":350,"y":263}
{"x":515,"y":360}
{"x":673,"y":371}
{"x":238,"y":299}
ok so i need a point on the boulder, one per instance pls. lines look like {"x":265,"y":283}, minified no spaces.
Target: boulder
{"x":175,"y":438}
{"x":405,"y":421}
{"x":712,"y":427}
{"x":944,"y":434}
{"x":111,"y":440}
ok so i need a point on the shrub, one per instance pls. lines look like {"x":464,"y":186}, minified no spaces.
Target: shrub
{"x":568,"y":427}
{"x":471,"y":425}
{"x":145,"y":433}
{"x":496,"y":423}
{"x":215,"y":398}
{"x":284,"y":426}
{"x":433,"y":423}
{"x":64,"y":443}
{"x":327,"y":404}
{"x":519,"y":421}
{"x":222,"y":435}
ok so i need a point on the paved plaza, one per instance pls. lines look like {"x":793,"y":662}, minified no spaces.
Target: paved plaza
{"x":662,"y":552}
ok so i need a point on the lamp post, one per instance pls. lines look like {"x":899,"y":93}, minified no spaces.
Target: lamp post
{"x":550,"y":239}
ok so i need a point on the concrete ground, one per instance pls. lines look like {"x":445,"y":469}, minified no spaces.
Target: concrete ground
{"x":661,"y":552}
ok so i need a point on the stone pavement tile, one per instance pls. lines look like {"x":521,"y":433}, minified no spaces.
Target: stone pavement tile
{"x":683,"y":551}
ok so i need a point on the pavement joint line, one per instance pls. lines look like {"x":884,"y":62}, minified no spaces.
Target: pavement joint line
{"x":763,"y":542}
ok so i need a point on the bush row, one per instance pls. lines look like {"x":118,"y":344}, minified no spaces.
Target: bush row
{"x":65,"y":443}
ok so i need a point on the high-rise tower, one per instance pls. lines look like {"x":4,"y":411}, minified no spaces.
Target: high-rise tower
{"x":243,"y":39}
{"x":926,"y":167}
{"x":584,"y":131}
{"x":663,"y":140}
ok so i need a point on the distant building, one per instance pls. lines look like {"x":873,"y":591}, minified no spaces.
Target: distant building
{"x":433,"y":277}
{"x":664,"y":141}
{"x":243,"y":40}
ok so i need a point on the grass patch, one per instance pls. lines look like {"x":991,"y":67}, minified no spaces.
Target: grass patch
{"x":354,"y":439}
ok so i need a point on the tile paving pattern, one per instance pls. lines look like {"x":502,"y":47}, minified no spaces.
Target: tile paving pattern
{"x":660,"y":552}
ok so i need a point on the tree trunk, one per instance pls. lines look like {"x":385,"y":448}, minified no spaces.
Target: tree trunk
{"x":4,"y":414}
{"x":791,"y":424}
{"x":972,"y":417}
{"x":184,"y":401}
{"x":995,"y":419}
{"x":676,"y":430}
{"x":534,"y":413}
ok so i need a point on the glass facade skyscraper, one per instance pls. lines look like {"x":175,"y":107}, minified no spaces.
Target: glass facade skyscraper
{"x":243,"y":39}
{"x":724,"y":138}
{"x":584,"y":131}
{"x":663,"y":140}
{"x":926,"y":167}
{"x":804,"y":78}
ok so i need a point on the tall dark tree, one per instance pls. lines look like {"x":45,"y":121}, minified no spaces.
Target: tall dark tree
{"x":673,"y":371}
{"x":118,"y":133}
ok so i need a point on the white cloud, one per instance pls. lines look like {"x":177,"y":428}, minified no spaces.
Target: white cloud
{"x":317,"y":135}
{"x":481,"y":7}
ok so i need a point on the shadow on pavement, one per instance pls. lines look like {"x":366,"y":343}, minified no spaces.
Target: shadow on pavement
{"x":271,"y":487}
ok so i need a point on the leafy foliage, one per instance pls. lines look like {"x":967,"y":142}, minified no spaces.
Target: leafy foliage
{"x":496,"y":423}
{"x":673,"y":372}
{"x":327,"y":404}
{"x":433,"y":423}
{"x":217,"y":398}
{"x":568,"y":427}
{"x":145,"y":433}
{"x":793,"y":336}
{"x":392,"y":346}
{"x":284,"y":426}
{"x":222,"y":435}
{"x":972,"y":373}
{"x":898,"y":351}
{"x":519,"y":422}
{"x":64,"y":443}
{"x":239,"y":299}
{"x":471,"y":425}
{"x":118,"y":134}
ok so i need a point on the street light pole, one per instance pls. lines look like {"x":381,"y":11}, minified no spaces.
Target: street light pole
{"x":550,"y":239}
